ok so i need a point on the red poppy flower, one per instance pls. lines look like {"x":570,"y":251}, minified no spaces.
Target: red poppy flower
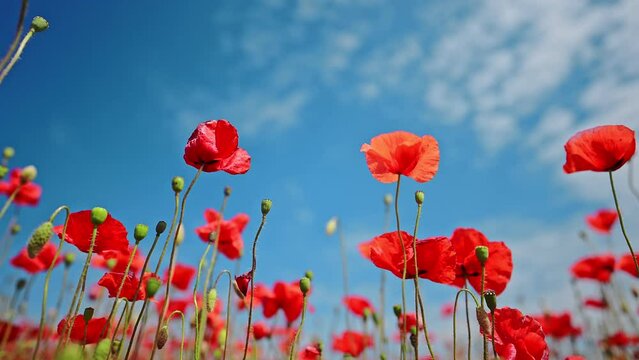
{"x":261,"y":292}
{"x":116,"y":261}
{"x":597,"y":267}
{"x":602,"y":148}
{"x":175,"y":305}
{"x":84,"y":333}
{"x":242,"y":282}
{"x":40,"y":263}
{"x":627,"y":264}
{"x":111,"y":234}
{"x":230,"y":241}
{"x":11,"y":331}
{"x":499,"y":266}
{"x":352,"y":343}
{"x":261,"y":330}
{"x":558,"y":325}
{"x":518,"y":336}
{"x":111,"y":281}
{"x":435,"y":256}
{"x":596,"y":303}
{"x":602,"y":221}
{"x":214,"y":144}
{"x":358,"y":305}
{"x":620,"y":339}
{"x":310,"y":352}
{"x":182,"y":276}
{"x":365,"y":248}
{"x":286,"y":297}
{"x":411,"y":321}
{"x":447,"y":310}
{"x":28,"y":195}
{"x":402,"y":153}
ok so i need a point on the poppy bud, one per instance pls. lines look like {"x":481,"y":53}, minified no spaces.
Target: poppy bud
{"x":160,"y":227}
{"x":98,"y":215}
{"x":3,"y":171}
{"x":39,"y":24}
{"x":102,"y":350}
{"x":8,"y":152}
{"x":413,"y":336}
{"x":388,"y":199}
{"x":211,"y":297}
{"x":88,"y":314}
{"x":266,"y":206}
{"x":491,"y":299}
{"x":481,"y":252}
{"x":111,"y":263}
{"x":305,"y":285}
{"x":331,"y":226}
{"x":367,"y":314}
{"x":419,"y":197}
{"x":382,"y":356}
{"x":71,"y":352}
{"x":39,"y":238}
{"x":163,"y":336}
{"x":177,"y":183}
{"x":140,"y":232}
{"x":227,"y":191}
{"x":483,"y":320}
{"x":221,"y":336}
{"x":152,"y":286}
{"x":69,"y":258}
{"x":180,"y":236}
{"x":20,"y":284}
{"x":115,"y":347}
{"x":397,"y":309}
{"x":375,"y":318}
{"x":309,"y":274}
{"x":27,"y":174}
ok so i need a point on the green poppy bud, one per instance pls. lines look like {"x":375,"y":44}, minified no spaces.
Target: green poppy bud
{"x":266,"y":206}
{"x":227,"y":191}
{"x":88,"y":314}
{"x":3,"y":171}
{"x":413,"y":336}
{"x":98,"y":215}
{"x":180,"y":235}
{"x":71,"y":352}
{"x":221,"y":337}
{"x":140,"y":232}
{"x":39,"y":238}
{"x":397,"y":310}
{"x":309,"y":274}
{"x":152,"y":286}
{"x":211,"y":297}
{"x":163,"y":337}
{"x":491,"y":299}
{"x":8,"y":152}
{"x":160,"y":227}
{"x":382,"y":356}
{"x":15,"y":229}
{"x":305,"y":285}
{"x":28,"y":174}
{"x":102,"y":350}
{"x":483,"y":320}
{"x":177,"y":184}
{"x":39,"y":24}
{"x":69,"y":258}
{"x":331,"y":226}
{"x":419,"y":197}
{"x":388,"y":199}
{"x":111,"y":263}
{"x":481,"y":252}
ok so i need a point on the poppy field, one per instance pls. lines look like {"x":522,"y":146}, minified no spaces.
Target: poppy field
{"x":83,"y":285}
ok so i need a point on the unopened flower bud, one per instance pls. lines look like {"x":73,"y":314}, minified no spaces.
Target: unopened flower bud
{"x":71,"y":352}
{"x":388,"y":199}
{"x":115,"y":347}
{"x":3,"y":171}
{"x":266,"y":206}
{"x":413,"y":336}
{"x":15,"y":229}
{"x":180,"y":235}
{"x":102,"y":350}
{"x":28,"y":174}
{"x":98,"y":215}
{"x":331,"y":226}
{"x":8,"y":152}
{"x":481,"y":252}
{"x":483,"y":320}
{"x":69,"y":258}
{"x":227,"y":191}
{"x":177,"y":183}
{"x":111,"y":263}
{"x":309,"y":274}
{"x":140,"y":232}
{"x":160,"y":227}
{"x":20,"y":284}
{"x":39,"y":238}
{"x":221,"y":336}
{"x":419,"y":197}
{"x":397,"y":310}
{"x":163,"y":336}
{"x":88,"y":314}
{"x":211,"y":298}
{"x":39,"y":24}
{"x":491,"y":299}
{"x":382,"y":356}
{"x":375,"y":318}
{"x":305,"y":285}
{"x":152,"y":286}
{"x":367,"y":314}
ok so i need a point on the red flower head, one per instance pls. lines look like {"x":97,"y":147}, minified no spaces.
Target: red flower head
{"x":11,"y":331}
{"x":111,"y":281}
{"x":230,"y":241}
{"x":242,"y":282}
{"x":518,"y":336}
{"x":261,"y":292}
{"x":365,"y":248}
{"x":84,"y":333}
{"x":111,"y":234}
{"x":29,"y":194}
{"x":116,"y":261}
{"x":261,"y":330}
{"x":358,"y":304}
{"x":602,"y":148}
{"x":597,"y":267}
{"x":402,"y":153}
{"x":175,"y":305}
{"x":595,"y":303}
{"x":435,"y":256}
{"x":411,"y":321}
{"x":499,"y":266}
{"x":627,"y":264}
{"x":558,"y":326}
{"x":182,"y":276}
{"x":40,"y":263}
{"x":602,"y":221}
{"x":311,"y":352}
{"x":287,"y":297}
{"x":352,"y":343}
{"x":620,"y":339}
{"x":213,"y":145}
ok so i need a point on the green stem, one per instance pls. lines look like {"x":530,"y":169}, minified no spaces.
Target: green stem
{"x":402,"y":353}
{"x":466,"y":291}
{"x":483,"y":279}
{"x":623,"y":228}
{"x":382,"y":289}
{"x":114,"y":307}
{"x":17,"y":54}
{"x":168,"y":236}
{"x":11,"y":197}
{"x":16,"y":38}
{"x":492,"y":333}
{"x":299,"y":330}
{"x":182,"y":318}
{"x":228,"y":307}
{"x":468,"y":322}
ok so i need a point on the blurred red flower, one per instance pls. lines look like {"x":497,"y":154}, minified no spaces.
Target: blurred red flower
{"x":182,"y":276}
{"x":602,"y":148}
{"x":558,"y":325}
{"x":40,"y":263}
{"x":620,"y":339}
{"x":175,"y":305}
{"x":116,"y":261}
{"x":242,"y":282}
{"x":10,"y":331}
{"x":214,"y":144}
{"x":575,"y":357}
{"x":518,"y":336}
{"x":28,"y":195}
{"x":230,"y":241}
{"x":447,"y":309}
{"x":627,"y":264}
{"x":499,"y":267}
{"x":602,"y":220}
{"x":111,"y":234}
{"x":358,"y":304}
{"x":411,"y":321}
{"x":261,"y":330}
{"x":84,"y":333}
{"x":596,"y":267}
{"x":286,"y":297}
{"x":402,"y":153}
{"x":352,"y":343}
{"x":596,"y":303}
{"x":111,"y":281}
{"x":310,"y":352}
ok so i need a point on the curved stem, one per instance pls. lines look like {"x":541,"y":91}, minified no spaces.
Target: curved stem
{"x":382,"y":289}
{"x":299,"y":329}
{"x":623,"y":228}
{"x":470,"y":340}
{"x":481,"y":297}
{"x":253,"y":267}
{"x":228,"y":307}
{"x":402,"y":354}
{"x":11,"y":197}
{"x":466,"y":291}
{"x":168,"y":236}
{"x":197,"y":316}
{"x":16,"y":38}
{"x":182,"y":318}
{"x":17,"y":54}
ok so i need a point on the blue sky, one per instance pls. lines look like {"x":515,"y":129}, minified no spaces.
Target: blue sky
{"x":104,"y":101}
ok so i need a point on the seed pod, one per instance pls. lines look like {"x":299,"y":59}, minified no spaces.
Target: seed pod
{"x":419,"y":197}
{"x":39,"y":238}
{"x":483,"y":320}
{"x":140,"y":232}
{"x":331,"y":226}
{"x":266,"y":206}
{"x":28,"y":173}
{"x":39,"y":24}
{"x":177,"y":184}
{"x":481,"y":252}
{"x":163,"y":337}
{"x":491,"y":299}
{"x":305,"y":285}
{"x":211,"y":298}
{"x":102,"y":350}
{"x":98,"y":215}
{"x":160,"y":227}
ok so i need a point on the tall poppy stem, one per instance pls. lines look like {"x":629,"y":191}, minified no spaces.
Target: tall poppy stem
{"x":470,"y":340}
{"x":253,"y":267}
{"x":182,"y":327}
{"x":481,"y":297}
{"x":344,"y":256}
{"x":228,"y":307}
{"x":9,"y":200}
{"x":492,"y":333}
{"x":623,"y":228}
{"x":18,"y":53}
{"x":299,"y":329}
{"x":402,"y":353}
{"x":114,"y":308}
{"x":16,"y":38}
{"x":466,"y":292}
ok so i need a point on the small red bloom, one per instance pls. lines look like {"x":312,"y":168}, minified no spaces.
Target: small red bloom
{"x":411,"y":321}
{"x":499,"y":266}
{"x":214,"y":145}
{"x":261,"y":292}
{"x":286,"y":297}
{"x":602,"y":148}
{"x":84,"y":333}
{"x":558,"y":325}
{"x":40,"y":263}
{"x":243,"y":281}
{"x":402,"y":153}
{"x":175,"y":305}
{"x":111,"y":234}
{"x":602,"y":221}
{"x":447,"y":310}
{"x":230,"y":241}
{"x":28,"y":195}
{"x":518,"y":336}
{"x":620,"y":339}
{"x":352,"y":343}
{"x":311,"y":352}
{"x":11,"y":331}
{"x":182,"y":276}
{"x":261,"y":330}
{"x":596,"y":303}
{"x":358,"y":304}
{"x":597,"y":267}
{"x":627,"y":264}
{"x":116,"y":261}
{"x":111,"y":281}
